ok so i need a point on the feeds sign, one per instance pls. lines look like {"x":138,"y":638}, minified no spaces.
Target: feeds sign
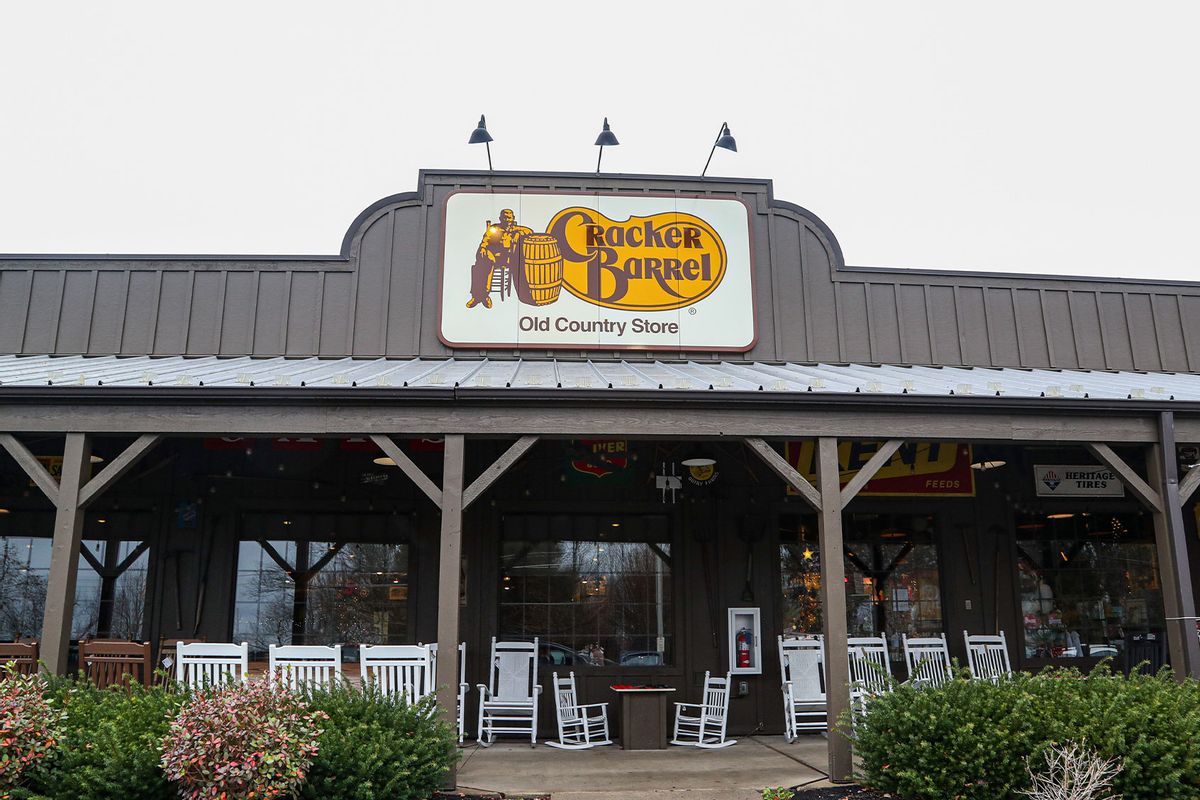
{"x":605,"y":272}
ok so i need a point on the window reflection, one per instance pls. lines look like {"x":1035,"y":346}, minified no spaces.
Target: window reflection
{"x":892,"y":578}
{"x":600,"y":595}
{"x":1088,"y":583}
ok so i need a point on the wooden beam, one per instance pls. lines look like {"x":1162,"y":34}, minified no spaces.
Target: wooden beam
{"x":613,"y":418}
{"x":64,"y":555}
{"x":786,"y":471}
{"x":33,"y":468}
{"x":1189,"y":485}
{"x":833,"y":605}
{"x":498,"y":468}
{"x":406,"y":465}
{"x":882,"y":456}
{"x":117,"y":467}
{"x":1174,"y":568}
{"x":1141,"y":490}
{"x":449,"y":578}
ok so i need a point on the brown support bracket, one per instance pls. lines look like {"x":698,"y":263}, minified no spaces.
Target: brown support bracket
{"x":881,"y":458}
{"x":1141,"y":490}
{"x":116,"y":468}
{"x":786,"y":471}
{"x":33,"y":468}
{"x":1189,"y":485}
{"x":500,"y":466}
{"x":406,"y":465}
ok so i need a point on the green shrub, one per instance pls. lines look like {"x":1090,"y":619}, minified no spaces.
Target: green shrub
{"x":969,"y":739}
{"x":244,"y":740}
{"x":110,"y":742}
{"x":374,"y":748}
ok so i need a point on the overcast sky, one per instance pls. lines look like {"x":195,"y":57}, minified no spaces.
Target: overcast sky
{"x":1044,"y":137}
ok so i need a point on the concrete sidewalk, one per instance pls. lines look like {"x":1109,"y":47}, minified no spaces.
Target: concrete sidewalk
{"x":685,"y":773}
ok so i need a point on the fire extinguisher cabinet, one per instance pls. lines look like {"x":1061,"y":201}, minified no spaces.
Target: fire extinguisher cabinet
{"x":745,"y":641}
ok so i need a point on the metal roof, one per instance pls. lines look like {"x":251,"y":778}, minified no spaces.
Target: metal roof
{"x":265,"y":374}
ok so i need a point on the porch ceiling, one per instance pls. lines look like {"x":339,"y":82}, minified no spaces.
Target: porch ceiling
{"x":686,"y":379}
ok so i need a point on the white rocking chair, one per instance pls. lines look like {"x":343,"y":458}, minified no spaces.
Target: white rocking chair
{"x":205,"y":664}
{"x":462,"y":684}
{"x":870,"y":669}
{"x":509,"y":704}
{"x":397,"y":670}
{"x":802,"y":664}
{"x":928,"y":660}
{"x":703,"y":724}
{"x":580,"y":726}
{"x":987,"y":656}
{"x":302,"y":667}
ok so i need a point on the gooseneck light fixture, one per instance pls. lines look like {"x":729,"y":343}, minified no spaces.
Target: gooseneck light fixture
{"x":481,"y":136}
{"x":606,"y":139}
{"x":724,"y":140}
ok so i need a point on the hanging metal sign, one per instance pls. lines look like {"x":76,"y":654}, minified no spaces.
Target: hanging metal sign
{"x":597,"y":272}
{"x":1064,"y":480}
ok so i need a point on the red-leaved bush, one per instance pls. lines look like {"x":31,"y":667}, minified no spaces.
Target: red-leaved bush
{"x":247,"y":740}
{"x":29,"y":728}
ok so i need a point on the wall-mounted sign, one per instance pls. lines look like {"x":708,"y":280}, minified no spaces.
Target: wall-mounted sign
{"x":596,"y":272}
{"x":1059,"y":480}
{"x":917,"y":468}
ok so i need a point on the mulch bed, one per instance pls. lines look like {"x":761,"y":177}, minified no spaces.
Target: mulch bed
{"x":847,"y":792}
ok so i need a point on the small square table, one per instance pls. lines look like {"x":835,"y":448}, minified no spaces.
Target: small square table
{"x":643,"y":716}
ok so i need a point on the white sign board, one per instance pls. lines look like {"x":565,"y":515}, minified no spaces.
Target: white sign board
{"x":596,"y":272}
{"x":1059,"y":480}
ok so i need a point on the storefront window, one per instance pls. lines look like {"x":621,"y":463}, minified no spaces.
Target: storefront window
{"x":892,"y":579}
{"x":1087,"y":582}
{"x":322,"y":579}
{"x":110,"y":607}
{"x":595,"y":591}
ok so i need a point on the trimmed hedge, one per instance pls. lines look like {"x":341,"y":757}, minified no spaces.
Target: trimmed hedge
{"x":969,"y":739}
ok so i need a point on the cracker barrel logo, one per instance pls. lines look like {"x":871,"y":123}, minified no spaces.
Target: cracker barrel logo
{"x":658,"y":262}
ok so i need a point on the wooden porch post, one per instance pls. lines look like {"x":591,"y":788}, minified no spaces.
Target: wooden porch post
{"x":64,"y":554}
{"x":833,"y":601}
{"x":1171,"y":541}
{"x":449,"y":555}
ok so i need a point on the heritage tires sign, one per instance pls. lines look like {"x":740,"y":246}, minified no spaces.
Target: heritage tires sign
{"x":597,"y":272}
{"x":1065,"y":480}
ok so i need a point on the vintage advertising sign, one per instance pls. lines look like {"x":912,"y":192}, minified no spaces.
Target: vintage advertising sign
{"x":1064,"y":480}
{"x":941,"y":469}
{"x":597,"y":272}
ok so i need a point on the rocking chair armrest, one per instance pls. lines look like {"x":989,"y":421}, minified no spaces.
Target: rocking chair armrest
{"x":483,"y":690}
{"x":689,"y":705}
{"x":592,"y":705}
{"x":537,"y":689}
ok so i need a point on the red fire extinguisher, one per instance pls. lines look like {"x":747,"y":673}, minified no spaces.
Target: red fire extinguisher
{"x":744,"y":640}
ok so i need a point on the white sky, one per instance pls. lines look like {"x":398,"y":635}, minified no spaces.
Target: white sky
{"x":1055,"y":137}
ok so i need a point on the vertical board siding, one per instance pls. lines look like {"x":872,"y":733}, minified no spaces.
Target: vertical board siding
{"x":944,"y":314}
{"x":820,"y":301}
{"x":854,"y":324}
{"x":1002,"y":328}
{"x":335,"y":313}
{"x":45,"y":304}
{"x":1114,"y":329}
{"x":1143,"y":338}
{"x":304,"y":314}
{"x":108,"y":312}
{"x":913,"y":316}
{"x":237,"y":325}
{"x":208,"y":303}
{"x":885,"y":323}
{"x":15,"y":286}
{"x":1031,"y":328}
{"x":174,"y":309}
{"x":407,"y":282}
{"x":974,"y":327}
{"x":75,"y":321}
{"x":1085,"y":329}
{"x":137,"y":338}
{"x":272,"y":304}
{"x":1060,"y":330}
{"x":370,"y":307}
{"x":1171,"y":337}
{"x":786,"y":298}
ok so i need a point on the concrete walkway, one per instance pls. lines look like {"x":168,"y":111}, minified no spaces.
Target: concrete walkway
{"x":678,"y":773}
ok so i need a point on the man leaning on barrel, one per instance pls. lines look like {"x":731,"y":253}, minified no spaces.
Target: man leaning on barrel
{"x":499,"y":250}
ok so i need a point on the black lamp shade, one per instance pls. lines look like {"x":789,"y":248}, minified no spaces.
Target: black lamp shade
{"x":480,"y":135}
{"x":726,"y":140}
{"x":606,"y":138}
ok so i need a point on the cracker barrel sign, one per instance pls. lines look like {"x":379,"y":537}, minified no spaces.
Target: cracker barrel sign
{"x":606,"y":272}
